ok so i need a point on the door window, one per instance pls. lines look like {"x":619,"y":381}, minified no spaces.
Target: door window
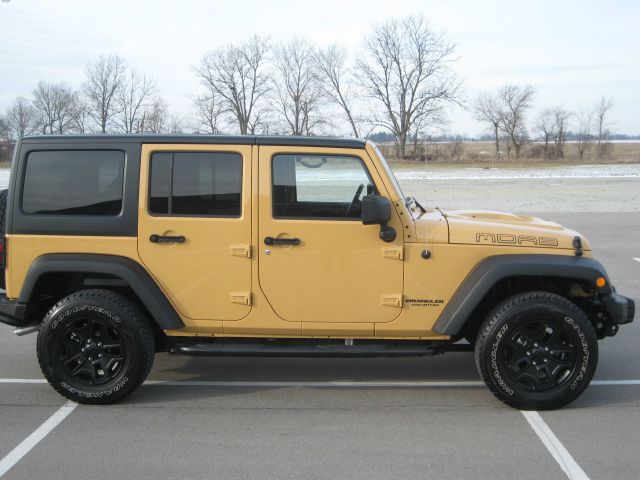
{"x":319,"y":186}
{"x":196,"y":184}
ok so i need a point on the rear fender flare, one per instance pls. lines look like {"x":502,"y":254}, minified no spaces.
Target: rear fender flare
{"x":126,"y":269}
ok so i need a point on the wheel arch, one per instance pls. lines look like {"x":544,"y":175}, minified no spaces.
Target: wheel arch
{"x":496,"y":270}
{"x":103,"y":271}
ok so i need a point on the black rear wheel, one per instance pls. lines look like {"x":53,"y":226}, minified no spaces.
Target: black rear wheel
{"x":537,"y":350}
{"x":95,"y":347}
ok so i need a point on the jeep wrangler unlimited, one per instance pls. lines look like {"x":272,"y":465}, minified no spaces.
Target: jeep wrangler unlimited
{"x":118,"y":247}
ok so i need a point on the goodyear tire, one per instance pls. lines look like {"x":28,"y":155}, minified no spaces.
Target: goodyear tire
{"x":95,"y":347}
{"x":537,"y":351}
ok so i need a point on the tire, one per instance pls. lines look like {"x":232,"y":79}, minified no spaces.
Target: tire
{"x":75,"y":357}
{"x":537,"y":351}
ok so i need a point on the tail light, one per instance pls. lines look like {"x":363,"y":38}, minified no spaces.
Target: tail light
{"x":3,"y":249}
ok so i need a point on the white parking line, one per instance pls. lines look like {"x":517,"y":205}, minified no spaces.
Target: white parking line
{"x":335,"y":384}
{"x":32,"y":440}
{"x":555,"y":447}
{"x":636,"y":259}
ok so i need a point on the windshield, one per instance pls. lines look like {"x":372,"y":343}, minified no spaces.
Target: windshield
{"x":389,"y":173}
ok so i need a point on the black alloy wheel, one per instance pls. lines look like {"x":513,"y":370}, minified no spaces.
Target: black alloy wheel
{"x":95,"y":346}
{"x":91,"y":350}
{"x":539,"y":355}
{"x":537,"y":351}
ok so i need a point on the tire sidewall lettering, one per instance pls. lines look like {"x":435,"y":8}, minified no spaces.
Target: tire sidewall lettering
{"x":493,"y":361}
{"x":584,"y":363}
{"x":60,"y":317}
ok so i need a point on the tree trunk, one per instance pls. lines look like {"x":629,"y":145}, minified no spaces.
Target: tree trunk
{"x":402,"y":145}
{"x":497,"y":134}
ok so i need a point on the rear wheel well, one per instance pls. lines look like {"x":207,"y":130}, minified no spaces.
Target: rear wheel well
{"x":51,"y":287}
{"x":578,"y":291}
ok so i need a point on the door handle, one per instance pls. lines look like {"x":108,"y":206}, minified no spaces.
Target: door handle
{"x":281,"y":241}
{"x":155,"y":238}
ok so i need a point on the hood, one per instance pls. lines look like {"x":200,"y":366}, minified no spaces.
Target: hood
{"x":481,"y":227}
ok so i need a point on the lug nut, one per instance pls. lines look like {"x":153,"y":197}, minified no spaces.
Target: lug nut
{"x":546,"y":360}
{"x":99,"y":344}
{"x":91,"y":359}
{"x":100,"y":355}
{"x":533,"y":362}
{"x":546,"y":349}
{"x":528,"y":353}
{"x":535,"y":345}
{"x":84,"y":349}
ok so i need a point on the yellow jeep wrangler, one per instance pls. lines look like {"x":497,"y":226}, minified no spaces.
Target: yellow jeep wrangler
{"x":117,"y":247}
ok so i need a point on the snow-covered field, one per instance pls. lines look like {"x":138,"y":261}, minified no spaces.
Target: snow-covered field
{"x":536,"y":188}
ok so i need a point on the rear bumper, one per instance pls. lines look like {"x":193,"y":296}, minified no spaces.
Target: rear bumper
{"x":621,"y":309}
{"x":12,"y":312}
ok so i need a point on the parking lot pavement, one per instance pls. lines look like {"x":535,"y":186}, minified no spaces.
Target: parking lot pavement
{"x":314,"y":418}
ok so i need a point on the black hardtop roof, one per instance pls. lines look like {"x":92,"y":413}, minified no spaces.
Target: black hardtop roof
{"x":206,"y":139}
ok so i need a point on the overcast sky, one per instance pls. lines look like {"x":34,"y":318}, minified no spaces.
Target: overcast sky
{"x":572,"y":52}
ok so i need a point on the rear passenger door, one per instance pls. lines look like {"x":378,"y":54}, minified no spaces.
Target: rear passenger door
{"x":195,"y":227}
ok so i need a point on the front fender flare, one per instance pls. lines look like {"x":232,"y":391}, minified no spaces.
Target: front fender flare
{"x":493,"y":269}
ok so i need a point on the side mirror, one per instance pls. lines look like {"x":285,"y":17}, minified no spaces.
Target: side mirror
{"x":376,"y":210}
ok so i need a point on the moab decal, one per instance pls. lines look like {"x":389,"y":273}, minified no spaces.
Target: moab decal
{"x":511,"y":239}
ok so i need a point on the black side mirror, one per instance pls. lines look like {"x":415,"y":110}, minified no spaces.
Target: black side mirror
{"x":376,"y":210}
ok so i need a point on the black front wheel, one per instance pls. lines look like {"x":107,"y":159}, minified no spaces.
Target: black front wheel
{"x":95,"y":347}
{"x":537,"y":351}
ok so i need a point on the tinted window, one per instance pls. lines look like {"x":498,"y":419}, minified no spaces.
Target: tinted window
{"x":196,"y":183}
{"x":319,"y":186}
{"x":73,"y":182}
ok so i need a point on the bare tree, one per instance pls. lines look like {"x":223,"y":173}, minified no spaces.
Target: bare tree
{"x":546,"y":127}
{"x":132,"y":98}
{"x":21,"y":119}
{"x":515,"y":101}
{"x":297,"y":86}
{"x":156,"y":118}
{"x":105,"y":78}
{"x":408,"y":70}
{"x":487,"y":110}
{"x":209,"y":112}
{"x":337,"y":81}
{"x":561,"y":117}
{"x":52,"y":103}
{"x":79,"y":114}
{"x":602,"y":124}
{"x":237,"y":73}
{"x":584,"y":135}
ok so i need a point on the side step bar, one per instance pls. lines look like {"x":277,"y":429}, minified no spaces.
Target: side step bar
{"x":284,"y":349}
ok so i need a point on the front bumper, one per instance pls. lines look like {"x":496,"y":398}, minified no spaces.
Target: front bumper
{"x":12,"y":312}
{"x":621,"y":309}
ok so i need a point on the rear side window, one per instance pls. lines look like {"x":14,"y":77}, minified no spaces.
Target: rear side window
{"x":73,"y":182}
{"x":196,"y":184}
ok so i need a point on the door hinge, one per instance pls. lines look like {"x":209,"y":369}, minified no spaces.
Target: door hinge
{"x":241,"y":298}
{"x":241,"y":250}
{"x":393,"y":252}
{"x":392,"y":300}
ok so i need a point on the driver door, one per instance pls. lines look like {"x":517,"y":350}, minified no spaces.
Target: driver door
{"x":318,"y":263}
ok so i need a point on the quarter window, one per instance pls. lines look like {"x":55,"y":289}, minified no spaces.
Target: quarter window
{"x":196,"y":184}
{"x":73,"y":182}
{"x":319,"y":186}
